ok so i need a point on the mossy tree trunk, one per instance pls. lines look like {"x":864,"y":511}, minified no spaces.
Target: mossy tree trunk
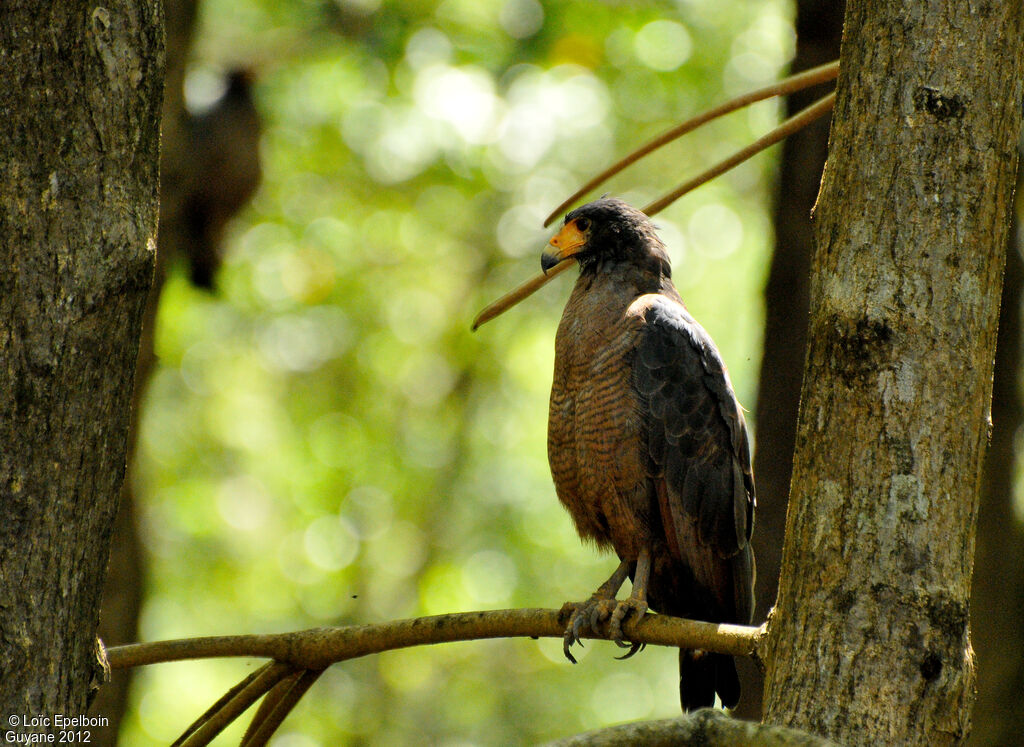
{"x":869,"y":642}
{"x":80,"y":96}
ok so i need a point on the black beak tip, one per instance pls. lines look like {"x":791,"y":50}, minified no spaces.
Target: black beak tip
{"x":547,"y":261}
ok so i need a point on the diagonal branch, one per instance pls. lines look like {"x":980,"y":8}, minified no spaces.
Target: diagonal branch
{"x":224,"y":699}
{"x":797,"y":122}
{"x":806,"y":79}
{"x":277,"y":705}
{"x":517,"y":294}
{"x":233,"y":704}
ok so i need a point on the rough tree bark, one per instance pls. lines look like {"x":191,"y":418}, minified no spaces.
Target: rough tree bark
{"x":80,"y":94}
{"x":819,"y":25}
{"x":869,"y":641}
{"x":123,"y":591}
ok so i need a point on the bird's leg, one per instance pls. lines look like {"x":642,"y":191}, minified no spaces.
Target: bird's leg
{"x":589,"y":614}
{"x":635,"y":604}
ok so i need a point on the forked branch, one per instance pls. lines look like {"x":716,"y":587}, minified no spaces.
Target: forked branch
{"x":320,"y":647}
{"x":299,"y":658}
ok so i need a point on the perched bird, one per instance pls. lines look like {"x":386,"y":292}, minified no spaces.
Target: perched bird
{"x":224,"y":159}
{"x":647,"y":443}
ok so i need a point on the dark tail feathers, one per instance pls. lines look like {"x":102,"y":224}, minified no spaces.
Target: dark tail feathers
{"x":702,"y":674}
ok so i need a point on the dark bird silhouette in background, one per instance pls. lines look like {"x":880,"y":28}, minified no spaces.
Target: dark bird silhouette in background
{"x":647,"y":443}
{"x":223,"y":176}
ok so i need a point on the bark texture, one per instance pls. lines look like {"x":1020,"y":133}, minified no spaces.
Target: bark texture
{"x":80,"y":95}
{"x":869,"y":641}
{"x":123,"y":591}
{"x":819,"y":25}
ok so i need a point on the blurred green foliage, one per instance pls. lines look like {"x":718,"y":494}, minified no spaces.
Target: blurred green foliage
{"x":325,"y":442}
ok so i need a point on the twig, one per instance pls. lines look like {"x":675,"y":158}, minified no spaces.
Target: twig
{"x":806,"y":79}
{"x":516,"y":295}
{"x":321,"y":647}
{"x":223,"y":699}
{"x":269,"y":703}
{"x":794,"y":124}
{"x":793,"y":83}
{"x":236,"y":706}
{"x":276,"y":706}
{"x":215,"y":720}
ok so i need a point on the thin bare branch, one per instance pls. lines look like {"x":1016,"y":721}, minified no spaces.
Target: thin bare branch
{"x":798,"y":82}
{"x":806,"y":79}
{"x":216,"y":719}
{"x":320,"y":647}
{"x":269,"y":703}
{"x":246,"y":681}
{"x":516,"y":295}
{"x":276,"y":706}
{"x":794,"y":124}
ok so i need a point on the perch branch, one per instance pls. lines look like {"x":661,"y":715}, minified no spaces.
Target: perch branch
{"x":299,"y":658}
{"x":320,"y":647}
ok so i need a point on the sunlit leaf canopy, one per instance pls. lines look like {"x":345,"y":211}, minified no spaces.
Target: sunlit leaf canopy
{"x":325,"y":442}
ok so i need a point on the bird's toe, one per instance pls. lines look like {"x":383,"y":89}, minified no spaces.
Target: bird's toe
{"x":633,"y":649}
{"x":583,"y":618}
{"x":623,"y":610}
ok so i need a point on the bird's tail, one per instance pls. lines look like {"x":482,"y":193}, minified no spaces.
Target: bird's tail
{"x":702,"y":674}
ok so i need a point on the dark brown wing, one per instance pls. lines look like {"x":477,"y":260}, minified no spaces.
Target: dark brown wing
{"x":699,"y":462}
{"x":699,"y":455}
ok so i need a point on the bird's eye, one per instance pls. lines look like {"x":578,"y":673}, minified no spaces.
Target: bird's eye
{"x":582,"y":223}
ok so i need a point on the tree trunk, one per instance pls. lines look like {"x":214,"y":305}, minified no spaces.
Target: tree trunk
{"x":80,"y":93}
{"x":819,"y":25}
{"x":123,"y":591}
{"x":997,"y":598}
{"x":869,"y":641}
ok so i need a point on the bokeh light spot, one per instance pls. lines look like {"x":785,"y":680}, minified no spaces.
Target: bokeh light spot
{"x":715,"y":230}
{"x":243,"y":502}
{"x":331,"y":543}
{"x":521,"y":18}
{"x":489,"y":577}
{"x":663,"y":45}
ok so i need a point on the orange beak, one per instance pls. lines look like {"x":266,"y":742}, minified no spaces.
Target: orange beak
{"x":563,"y":245}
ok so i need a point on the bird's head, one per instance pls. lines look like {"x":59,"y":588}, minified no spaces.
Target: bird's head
{"x":606,"y":230}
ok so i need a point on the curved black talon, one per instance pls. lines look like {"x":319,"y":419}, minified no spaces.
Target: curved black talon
{"x":567,"y":642}
{"x":634,"y":648}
